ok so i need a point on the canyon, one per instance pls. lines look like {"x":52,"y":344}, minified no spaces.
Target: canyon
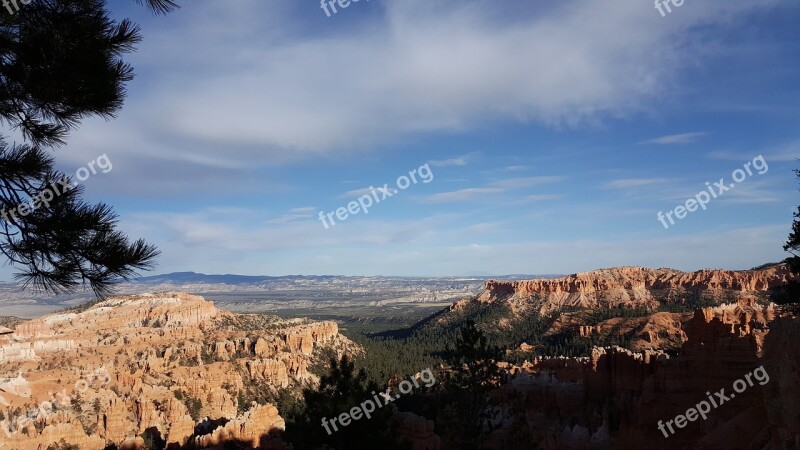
{"x":616,"y":397}
{"x":686,"y":334}
{"x":159,"y":369}
{"x":172,"y":370}
{"x":632,"y":287}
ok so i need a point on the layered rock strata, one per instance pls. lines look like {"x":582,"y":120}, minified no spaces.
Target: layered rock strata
{"x":153,"y":367}
{"x":635,"y":286}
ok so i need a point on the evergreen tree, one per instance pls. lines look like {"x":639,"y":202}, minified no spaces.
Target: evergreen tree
{"x":790,"y":292}
{"x":793,"y":242}
{"x":60,"y":62}
{"x":342,"y":389}
{"x":474,"y":374}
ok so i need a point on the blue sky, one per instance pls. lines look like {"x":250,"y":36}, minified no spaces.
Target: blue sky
{"x":555,"y":131}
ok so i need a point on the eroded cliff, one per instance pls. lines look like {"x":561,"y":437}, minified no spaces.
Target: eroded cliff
{"x":161,"y":369}
{"x":634,"y":286}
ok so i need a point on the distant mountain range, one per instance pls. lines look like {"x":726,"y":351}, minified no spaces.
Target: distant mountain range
{"x":301,"y":294}
{"x":195,"y":277}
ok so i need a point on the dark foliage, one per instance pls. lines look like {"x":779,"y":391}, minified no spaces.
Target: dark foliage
{"x":61,"y":62}
{"x":790,"y":291}
{"x":63,"y":445}
{"x":793,"y":242}
{"x":474,"y":373}
{"x":339,"y":391}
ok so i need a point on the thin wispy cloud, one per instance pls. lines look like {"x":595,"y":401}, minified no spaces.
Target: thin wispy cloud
{"x":356,"y":193}
{"x":516,"y":183}
{"x":495,"y":187}
{"x":673,"y":139}
{"x":787,"y":152}
{"x":294,"y":215}
{"x":303,"y":210}
{"x":460,"y":161}
{"x":543,"y":197}
{"x":632,"y":183}
{"x":462,"y":194}
{"x":752,"y":191}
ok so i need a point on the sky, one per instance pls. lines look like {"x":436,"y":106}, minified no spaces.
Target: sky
{"x":552,"y":134}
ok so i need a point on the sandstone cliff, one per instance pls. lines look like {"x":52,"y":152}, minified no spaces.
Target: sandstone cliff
{"x":633,"y":286}
{"x":615,"y":398}
{"x":164,"y":369}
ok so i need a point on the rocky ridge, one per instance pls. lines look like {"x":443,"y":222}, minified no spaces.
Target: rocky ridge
{"x":633,"y":286}
{"x":616,"y":397}
{"x":164,"y":368}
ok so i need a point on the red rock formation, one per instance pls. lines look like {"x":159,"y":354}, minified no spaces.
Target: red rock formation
{"x":158,"y":354}
{"x":181,"y":425}
{"x":115,"y":422}
{"x":632,"y":286}
{"x":303,"y":338}
{"x":616,"y":397}
{"x":251,"y":429}
{"x":170,"y":310}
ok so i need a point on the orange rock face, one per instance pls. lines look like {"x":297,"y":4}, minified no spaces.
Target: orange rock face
{"x":616,"y":398}
{"x":168,"y":368}
{"x":255,"y":425}
{"x":632,"y":286}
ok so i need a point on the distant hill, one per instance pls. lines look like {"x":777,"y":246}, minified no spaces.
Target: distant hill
{"x":195,"y":277}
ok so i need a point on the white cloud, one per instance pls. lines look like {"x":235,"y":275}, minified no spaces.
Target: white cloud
{"x":461,"y":195}
{"x":787,"y":152}
{"x":752,"y":191}
{"x":495,"y":187}
{"x":632,"y":183}
{"x":685,"y":138}
{"x":356,"y":193}
{"x":543,"y":197}
{"x":461,"y":161}
{"x":516,"y":183}
{"x":440,"y":245}
{"x":303,"y":210}
{"x":423,"y":66}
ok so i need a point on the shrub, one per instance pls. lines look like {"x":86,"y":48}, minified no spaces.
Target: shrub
{"x":77,"y":404}
{"x":62,"y":445}
{"x":194,"y":405}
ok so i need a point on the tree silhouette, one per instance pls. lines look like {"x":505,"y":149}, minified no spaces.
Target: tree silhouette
{"x":474,"y":375}
{"x":789,"y":292}
{"x":339,"y":391}
{"x":793,"y":242}
{"x":60,"y":62}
